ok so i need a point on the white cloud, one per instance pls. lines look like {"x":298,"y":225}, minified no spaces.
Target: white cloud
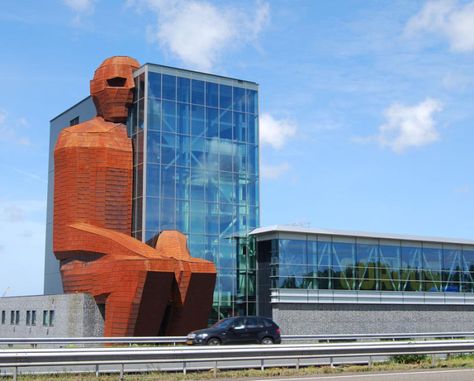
{"x":465,"y":189}
{"x":449,"y":18}
{"x":13,"y":130}
{"x":275,"y":132}
{"x":198,"y":32}
{"x":408,"y":126}
{"x":82,"y":6}
{"x":273,"y":172}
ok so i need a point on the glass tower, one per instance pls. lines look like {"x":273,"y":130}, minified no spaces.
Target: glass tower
{"x":195,"y":140}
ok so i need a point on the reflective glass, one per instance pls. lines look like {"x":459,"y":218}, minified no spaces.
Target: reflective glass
{"x":225,"y":125}
{"x":239,"y":99}
{"x":153,"y":180}
{"x":167,"y":214}
{"x":201,"y":177}
{"x":252,"y":159}
{"x":432,"y":265}
{"x":184,"y":119}
{"x":153,"y":147}
{"x":197,"y":210}
{"x":197,"y":121}
{"x":169,"y":116}
{"x":169,"y":87}
{"x":152,"y":214}
{"x":240,"y":126}
{"x":154,"y":85}
{"x":225,"y":97}
{"x":184,"y":90}
{"x":225,"y":159}
{"x":168,"y":184}
{"x":367,"y":257}
{"x":211,"y":186}
{"x":197,"y":185}
{"x":252,"y":129}
{"x":252,"y":99}
{"x":141,"y":114}
{"x":183,"y":181}
{"x":197,"y":92}
{"x":411,"y":263}
{"x":212,"y":122}
{"x":389,"y":265}
{"x":154,"y":114}
{"x":138,"y":180}
{"x":324,"y":260}
{"x":198,"y":153}
{"x":226,"y":186}
{"x":212,"y":94}
{"x":168,"y":148}
{"x":183,"y":151}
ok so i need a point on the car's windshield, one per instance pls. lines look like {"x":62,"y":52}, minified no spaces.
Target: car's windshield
{"x":224,"y":323}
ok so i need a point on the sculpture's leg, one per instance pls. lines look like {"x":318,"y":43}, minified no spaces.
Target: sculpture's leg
{"x":153,"y":313}
{"x":193,"y":311}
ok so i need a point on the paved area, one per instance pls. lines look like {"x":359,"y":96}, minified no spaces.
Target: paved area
{"x":425,"y":375}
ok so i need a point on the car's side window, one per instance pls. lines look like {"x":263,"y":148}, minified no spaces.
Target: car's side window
{"x":251,"y":322}
{"x":261,"y":322}
{"x":238,"y":323}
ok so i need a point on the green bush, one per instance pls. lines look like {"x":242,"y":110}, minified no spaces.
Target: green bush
{"x":408,"y":359}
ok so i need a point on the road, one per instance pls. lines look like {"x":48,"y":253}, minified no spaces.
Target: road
{"x":425,"y":375}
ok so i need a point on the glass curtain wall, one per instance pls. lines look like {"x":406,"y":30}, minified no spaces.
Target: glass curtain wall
{"x":350,"y":263}
{"x":196,"y":170}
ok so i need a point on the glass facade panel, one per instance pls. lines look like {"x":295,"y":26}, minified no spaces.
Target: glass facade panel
{"x":197,"y":173}
{"x":352,"y":263}
{"x":169,"y":87}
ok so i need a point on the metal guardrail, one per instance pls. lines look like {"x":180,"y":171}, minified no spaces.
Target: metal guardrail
{"x":182,"y":339}
{"x":215,"y":355}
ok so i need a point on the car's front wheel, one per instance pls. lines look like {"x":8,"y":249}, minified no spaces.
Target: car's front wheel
{"x":213,"y":341}
{"x":267,"y":341}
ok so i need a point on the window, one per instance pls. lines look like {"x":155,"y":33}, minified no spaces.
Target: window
{"x":28,"y":317}
{"x":33,"y":317}
{"x":3,"y":317}
{"x":74,"y":121}
{"x":48,"y":318}
{"x":252,"y":322}
{"x":17,"y":317}
{"x":12,"y":317}
{"x":51,"y":318}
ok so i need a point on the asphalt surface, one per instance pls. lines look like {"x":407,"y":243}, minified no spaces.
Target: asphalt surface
{"x":424,"y":375}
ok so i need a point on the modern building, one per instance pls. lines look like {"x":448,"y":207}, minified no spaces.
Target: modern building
{"x":72,"y":315}
{"x":195,"y":169}
{"x":195,"y":140}
{"x":329,"y":281}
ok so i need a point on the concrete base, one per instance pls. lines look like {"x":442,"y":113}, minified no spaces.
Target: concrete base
{"x":301,"y":319}
{"x":74,"y":315}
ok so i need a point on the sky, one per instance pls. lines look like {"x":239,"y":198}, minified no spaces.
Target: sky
{"x":366,"y":106}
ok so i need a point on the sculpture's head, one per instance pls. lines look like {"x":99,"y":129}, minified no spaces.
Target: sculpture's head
{"x":112,"y":88}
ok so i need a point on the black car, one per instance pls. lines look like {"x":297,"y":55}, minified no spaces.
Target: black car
{"x":238,"y":330}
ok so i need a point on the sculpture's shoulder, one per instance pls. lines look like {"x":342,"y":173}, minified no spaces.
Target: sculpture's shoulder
{"x":95,"y":132}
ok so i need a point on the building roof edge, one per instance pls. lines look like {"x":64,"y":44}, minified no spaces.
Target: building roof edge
{"x":355,"y":233}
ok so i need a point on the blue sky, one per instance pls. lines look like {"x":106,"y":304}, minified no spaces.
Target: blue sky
{"x":366,"y":106}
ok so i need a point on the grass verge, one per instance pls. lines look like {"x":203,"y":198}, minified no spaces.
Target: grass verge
{"x":455,"y":361}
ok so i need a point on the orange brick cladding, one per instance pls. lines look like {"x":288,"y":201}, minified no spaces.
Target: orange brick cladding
{"x":144,"y":290}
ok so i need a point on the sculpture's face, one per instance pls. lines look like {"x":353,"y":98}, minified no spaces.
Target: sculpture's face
{"x":112,"y":88}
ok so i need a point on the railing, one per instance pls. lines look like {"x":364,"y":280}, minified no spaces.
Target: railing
{"x":182,"y":339}
{"x":215,"y":356}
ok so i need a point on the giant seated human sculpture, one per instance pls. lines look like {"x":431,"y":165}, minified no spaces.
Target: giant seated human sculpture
{"x":140,"y":289}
